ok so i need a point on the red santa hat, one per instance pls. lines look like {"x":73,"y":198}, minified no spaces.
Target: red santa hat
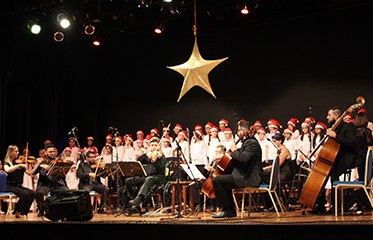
{"x":257,"y":123}
{"x":140,"y":140}
{"x":224,"y":121}
{"x":184,"y":133}
{"x":262,"y":130}
{"x":178,"y":126}
{"x":311,"y":119}
{"x":165,"y":128}
{"x":214,"y":129}
{"x":227,"y":130}
{"x":210,"y":125}
{"x":90,"y":138}
{"x":129,"y":137}
{"x":119,"y":138}
{"x":154,"y":130}
{"x":289,"y":131}
{"x":362,"y":111}
{"x":293,"y":122}
{"x":199,"y":132}
{"x":147,"y":138}
{"x":321,"y":126}
{"x":306,"y":123}
{"x":197,"y":127}
{"x":109,"y":136}
{"x":242,"y":120}
{"x":67,"y":149}
{"x":140,"y":132}
{"x":273,"y":123}
{"x":167,"y":138}
{"x":347,"y":116}
{"x":108,"y":145}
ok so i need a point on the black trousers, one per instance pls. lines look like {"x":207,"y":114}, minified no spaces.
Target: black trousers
{"x":26,"y":197}
{"x":43,"y":191}
{"x":100,"y":188}
{"x":223,"y":186}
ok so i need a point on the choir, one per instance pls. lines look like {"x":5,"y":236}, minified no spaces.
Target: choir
{"x":296,"y":142}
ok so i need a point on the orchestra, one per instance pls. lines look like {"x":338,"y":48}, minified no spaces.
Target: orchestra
{"x":295,"y":147}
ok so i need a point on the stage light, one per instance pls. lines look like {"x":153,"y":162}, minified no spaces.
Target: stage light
{"x":159,"y":30}
{"x":34,"y":27}
{"x":89,"y":29}
{"x":96,"y":41}
{"x":167,"y":1}
{"x":58,"y":36}
{"x":245,"y":10}
{"x":63,"y":20}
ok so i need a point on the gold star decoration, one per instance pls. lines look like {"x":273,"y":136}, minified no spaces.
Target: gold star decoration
{"x":195,"y":71}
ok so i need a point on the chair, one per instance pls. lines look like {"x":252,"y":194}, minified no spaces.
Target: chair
{"x":356,"y":185}
{"x":270,"y":189}
{"x":95,"y":196}
{"x":6,"y":195}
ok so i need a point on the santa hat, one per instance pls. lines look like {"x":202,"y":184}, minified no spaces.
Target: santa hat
{"x":140,"y":132}
{"x":147,"y":138}
{"x":197,"y":127}
{"x":140,"y":140}
{"x":72,"y":138}
{"x":273,"y":123}
{"x":154,"y":130}
{"x":362,"y":111}
{"x":167,"y":138}
{"x":306,"y":123}
{"x":289,"y":131}
{"x":178,"y":126}
{"x":262,"y":130}
{"x":90,"y":138}
{"x":242,"y":120}
{"x":199,"y":132}
{"x":293,"y":122}
{"x":321,"y":126}
{"x":109,"y":136}
{"x":347,"y":116}
{"x":210,"y":125}
{"x":311,"y":119}
{"x":166,"y":128}
{"x":119,"y":138}
{"x":108,"y":145}
{"x":257,"y":123}
{"x":227,"y":130}
{"x":224,"y":121}
{"x":184,"y":133}
{"x":214,"y":129}
{"x":129,"y":137}
{"x":67,"y":149}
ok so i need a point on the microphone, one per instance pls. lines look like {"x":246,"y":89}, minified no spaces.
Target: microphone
{"x":112,"y":128}
{"x":72,"y":130}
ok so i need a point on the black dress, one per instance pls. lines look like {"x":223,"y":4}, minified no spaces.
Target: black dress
{"x":14,"y":184}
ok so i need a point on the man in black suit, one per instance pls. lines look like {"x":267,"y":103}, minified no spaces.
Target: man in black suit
{"x":345,"y":135}
{"x":247,"y":171}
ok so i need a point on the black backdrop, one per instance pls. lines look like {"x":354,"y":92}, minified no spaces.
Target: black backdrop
{"x":277,"y":68}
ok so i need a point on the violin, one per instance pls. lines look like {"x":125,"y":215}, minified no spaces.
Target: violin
{"x":22,"y":159}
{"x":58,"y":160}
{"x":98,"y":163}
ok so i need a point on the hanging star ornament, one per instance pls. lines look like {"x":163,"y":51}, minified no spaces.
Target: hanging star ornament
{"x":196,"y":71}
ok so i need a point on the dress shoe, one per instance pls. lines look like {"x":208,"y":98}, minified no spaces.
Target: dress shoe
{"x":213,"y":209}
{"x":318,"y":210}
{"x":136,"y":201}
{"x":224,"y":214}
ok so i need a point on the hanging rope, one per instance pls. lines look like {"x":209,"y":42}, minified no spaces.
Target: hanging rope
{"x":195,"y":18}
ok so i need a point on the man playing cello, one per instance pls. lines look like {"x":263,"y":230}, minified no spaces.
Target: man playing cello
{"x":247,"y":171}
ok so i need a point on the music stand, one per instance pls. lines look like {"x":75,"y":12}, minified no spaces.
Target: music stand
{"x":132,"y":168}
{"x":59,"y":169}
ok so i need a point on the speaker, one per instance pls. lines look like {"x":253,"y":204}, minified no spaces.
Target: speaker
{"x":69,"y":205}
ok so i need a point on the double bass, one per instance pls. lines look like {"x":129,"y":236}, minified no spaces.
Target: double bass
{"x":222,"y":166}
{"x":324,"y":162}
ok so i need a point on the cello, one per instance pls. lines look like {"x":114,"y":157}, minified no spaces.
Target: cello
{"x":222,"y":166}
{"x":324,"y":162}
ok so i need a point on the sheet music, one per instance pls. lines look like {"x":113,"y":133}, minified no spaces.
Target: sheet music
{"x":193,"y":169}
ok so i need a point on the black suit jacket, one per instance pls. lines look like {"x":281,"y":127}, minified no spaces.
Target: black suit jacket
{"x":247,"y":165}
{"x":346,"y":136}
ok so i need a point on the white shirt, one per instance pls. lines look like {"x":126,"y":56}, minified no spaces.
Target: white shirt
{"x":129,"y":153}
{"x":211,"y":148}
{"x":198,"y":152}
{"x":291,"y":146}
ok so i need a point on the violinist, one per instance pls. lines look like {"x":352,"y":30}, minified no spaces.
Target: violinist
{"x":46,"y":183}
{"x":14,"y":181}
{"x":154,"y":164}
{"x":247,"y":171}
{"x":89,"y":181}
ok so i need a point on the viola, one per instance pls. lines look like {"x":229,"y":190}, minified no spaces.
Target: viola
{"x":22,"y":159}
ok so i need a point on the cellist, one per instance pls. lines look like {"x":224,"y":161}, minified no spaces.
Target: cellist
{"x":247,"y":171}
{"x":345,"y":135}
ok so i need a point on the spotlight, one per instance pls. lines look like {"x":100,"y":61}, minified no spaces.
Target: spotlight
{"x":96,"y":41}
{"x":63,"y":20}
{"x":58,"y":36}
{"x":89,"y":29}
{"x":34,"y":27}
{"x":245,"y":10}
{"x":167,"y":1}
{"x":159,"y":30}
